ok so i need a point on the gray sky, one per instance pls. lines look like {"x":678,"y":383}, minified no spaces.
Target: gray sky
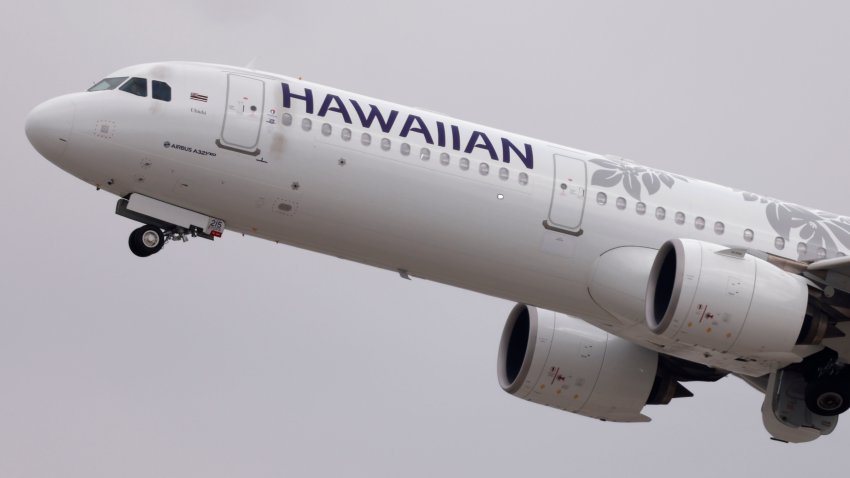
{"x":246,"y":358}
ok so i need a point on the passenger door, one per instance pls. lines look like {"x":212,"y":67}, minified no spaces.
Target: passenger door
{"x":243,"y":114}
{"x":568,"y":195}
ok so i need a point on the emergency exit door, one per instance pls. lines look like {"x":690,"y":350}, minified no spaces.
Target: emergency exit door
{"x":243,"y":115}
{"x":568,"y":194}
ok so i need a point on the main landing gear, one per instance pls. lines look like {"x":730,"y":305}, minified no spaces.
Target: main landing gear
{"x":803,"y":401}
{"x":827,"y":384}
{"x":829,"y":396}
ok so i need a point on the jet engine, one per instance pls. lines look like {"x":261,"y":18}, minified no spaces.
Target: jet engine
{"x":563,"y":362}
{"x":729,"y":301}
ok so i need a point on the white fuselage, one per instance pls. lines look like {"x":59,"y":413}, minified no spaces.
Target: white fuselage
{"x":482,"y":209}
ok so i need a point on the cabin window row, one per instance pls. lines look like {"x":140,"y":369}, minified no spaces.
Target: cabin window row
{"x":699,"y":223}
{"x":405,"y":149}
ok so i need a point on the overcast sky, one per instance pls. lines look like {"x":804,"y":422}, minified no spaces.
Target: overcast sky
{"x":246,"y":358}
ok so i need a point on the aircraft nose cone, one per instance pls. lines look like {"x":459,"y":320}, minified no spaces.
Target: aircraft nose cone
{"x":48,"y":127}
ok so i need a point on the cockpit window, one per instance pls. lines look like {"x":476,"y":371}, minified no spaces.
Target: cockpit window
{"x":136,"y":86}
{"x":161,"y":90}
{"x":107,"y":83}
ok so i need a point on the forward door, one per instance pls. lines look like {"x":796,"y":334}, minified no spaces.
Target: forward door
{"x":243,"y":115}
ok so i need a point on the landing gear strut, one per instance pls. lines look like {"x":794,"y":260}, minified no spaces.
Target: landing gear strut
{"x":146,"y":240}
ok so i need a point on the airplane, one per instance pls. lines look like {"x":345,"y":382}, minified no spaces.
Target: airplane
{"x":629,"y":281}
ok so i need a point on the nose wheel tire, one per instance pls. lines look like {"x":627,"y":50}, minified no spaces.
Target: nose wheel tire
{"x":146,"y":240}
{"x":829,"y":396}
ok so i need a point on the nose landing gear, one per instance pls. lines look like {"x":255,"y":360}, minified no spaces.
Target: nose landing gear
{"x":146,"y":240}
{"x":164,"y":222}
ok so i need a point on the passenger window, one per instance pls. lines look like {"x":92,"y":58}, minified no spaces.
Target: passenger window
{"x":107,"y":84}
{"x":523,"y":179}
{"x":161,"y":91}
{"x":425,"y":154}
{"x":601,"y":198}
{"x":621,"y":203}
{"x":136,"y":86}
{"x":405,"y":149}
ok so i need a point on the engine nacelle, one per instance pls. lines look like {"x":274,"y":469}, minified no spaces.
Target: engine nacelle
{"x":725,"y":300}
{"x":563,"y":362}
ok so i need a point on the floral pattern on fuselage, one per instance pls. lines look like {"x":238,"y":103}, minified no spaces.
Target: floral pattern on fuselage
{"x":819,"y":231}
{"x":635,"y":178}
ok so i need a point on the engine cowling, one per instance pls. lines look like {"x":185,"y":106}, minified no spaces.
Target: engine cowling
{"x":724,"y":300}
{"x":563,"y":362}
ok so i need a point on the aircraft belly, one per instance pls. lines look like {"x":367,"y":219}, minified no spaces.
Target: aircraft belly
{"x":405,"y":217}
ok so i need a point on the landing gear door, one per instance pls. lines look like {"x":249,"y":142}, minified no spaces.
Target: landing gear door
{"x":243,"y":114}
{"x":569,"y":192}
